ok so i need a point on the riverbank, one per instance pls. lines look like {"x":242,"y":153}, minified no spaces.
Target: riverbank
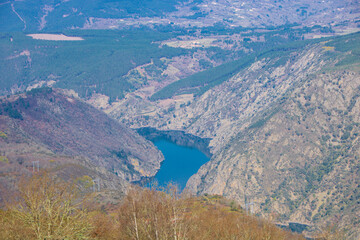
{"x":184,"y":155}
{"x":180,"y":138}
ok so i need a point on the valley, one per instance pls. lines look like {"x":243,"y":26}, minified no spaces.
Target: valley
{"x":255,"y":101}
{"x":280,"y":138}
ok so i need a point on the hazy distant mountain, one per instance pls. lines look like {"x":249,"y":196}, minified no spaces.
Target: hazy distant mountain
{"x":30,"y":15}
{"x":55,"y":15}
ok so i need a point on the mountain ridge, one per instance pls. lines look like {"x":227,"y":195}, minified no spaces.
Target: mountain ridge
{"x":62,"y":130}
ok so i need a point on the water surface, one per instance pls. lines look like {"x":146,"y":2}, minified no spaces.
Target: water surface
{"x":180,"y":163}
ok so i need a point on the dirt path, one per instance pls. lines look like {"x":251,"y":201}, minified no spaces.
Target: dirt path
{"x":13,"y":9}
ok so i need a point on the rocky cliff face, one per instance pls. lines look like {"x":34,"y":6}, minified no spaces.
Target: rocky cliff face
{"x":60,"y":131}
{"x":299,"y":159}
{"x":298,"y":155}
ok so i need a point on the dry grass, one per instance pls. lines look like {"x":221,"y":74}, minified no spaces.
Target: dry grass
{"x":48,"y":208}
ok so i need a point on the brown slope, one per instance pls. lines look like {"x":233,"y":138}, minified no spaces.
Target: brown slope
{"x":20,"y":156}
{"x":65,"y":125}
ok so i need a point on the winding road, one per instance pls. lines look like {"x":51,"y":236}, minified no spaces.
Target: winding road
{"x":13,"y":9}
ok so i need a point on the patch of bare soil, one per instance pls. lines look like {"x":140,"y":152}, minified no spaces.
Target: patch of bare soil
{"x":54,"y":37}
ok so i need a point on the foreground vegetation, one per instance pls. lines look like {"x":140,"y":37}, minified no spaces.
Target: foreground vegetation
{"x":52,"y":209}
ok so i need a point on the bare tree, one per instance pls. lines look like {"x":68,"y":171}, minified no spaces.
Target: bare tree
{"x":47,"y":209}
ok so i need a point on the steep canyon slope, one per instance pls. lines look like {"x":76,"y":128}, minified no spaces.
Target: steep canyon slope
{"x":300,"y":158}
{"x":284,"y":132}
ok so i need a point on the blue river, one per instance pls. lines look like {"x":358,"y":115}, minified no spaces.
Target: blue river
{"x":179,"y":165}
